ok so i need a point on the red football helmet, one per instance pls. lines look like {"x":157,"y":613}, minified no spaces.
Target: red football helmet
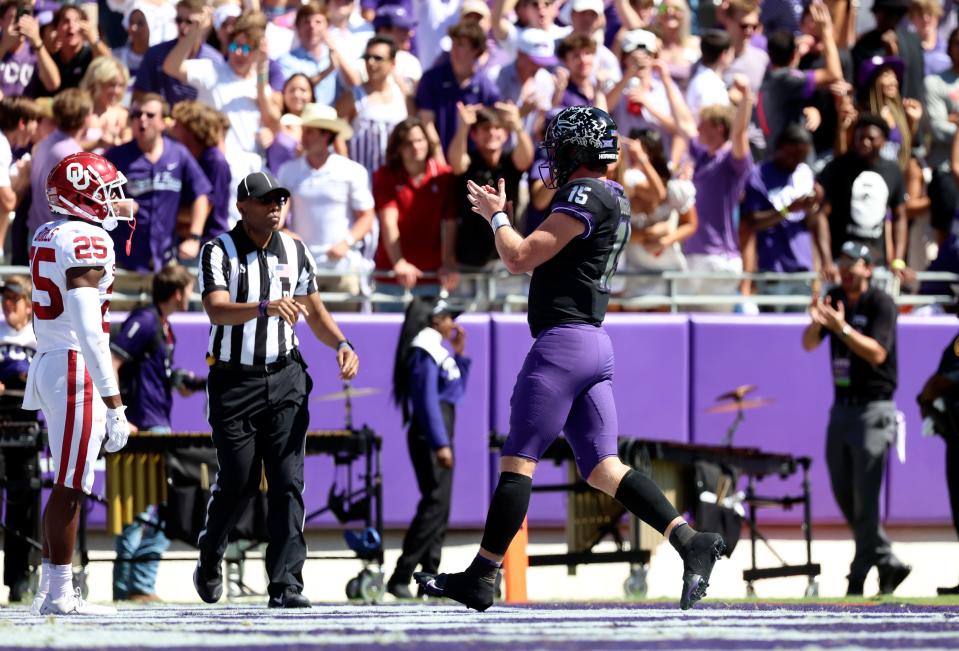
{"x":87,"y":186}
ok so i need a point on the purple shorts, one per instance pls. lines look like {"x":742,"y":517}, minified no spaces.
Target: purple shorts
{"x":565,"y":385}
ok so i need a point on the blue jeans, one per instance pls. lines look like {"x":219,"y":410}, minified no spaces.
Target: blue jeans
{"x":139,"y":547}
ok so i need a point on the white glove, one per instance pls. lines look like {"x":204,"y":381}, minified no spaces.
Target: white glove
{"x":118,"y":429}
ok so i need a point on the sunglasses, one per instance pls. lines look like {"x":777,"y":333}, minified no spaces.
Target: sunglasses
{"x":137,"y":114}
{"x":749,"y":27}
{"x":184,"y":21}
{"x":373,"y":57}
{"x":271,"y":199}
{"x":244,"y":49}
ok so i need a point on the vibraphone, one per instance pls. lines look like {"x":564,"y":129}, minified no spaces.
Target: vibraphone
{"x":591,"y":515}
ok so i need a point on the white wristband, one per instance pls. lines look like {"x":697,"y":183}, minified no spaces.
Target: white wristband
{"x":499,"y":220}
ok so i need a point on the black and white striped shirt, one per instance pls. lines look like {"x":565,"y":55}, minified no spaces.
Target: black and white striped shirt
{"x":233,"y":263}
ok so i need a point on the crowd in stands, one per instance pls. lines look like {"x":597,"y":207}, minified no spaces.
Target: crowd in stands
{"x":756,"y":136}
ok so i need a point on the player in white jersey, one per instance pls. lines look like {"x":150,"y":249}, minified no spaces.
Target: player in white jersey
{"x":71,"y":378}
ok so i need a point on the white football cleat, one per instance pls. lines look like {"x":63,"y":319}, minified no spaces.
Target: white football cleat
{"x":38,"y":600}
{"x":74,"y":605}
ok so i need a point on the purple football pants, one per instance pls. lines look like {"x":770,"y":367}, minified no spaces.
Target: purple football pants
{"x":565,"y":385}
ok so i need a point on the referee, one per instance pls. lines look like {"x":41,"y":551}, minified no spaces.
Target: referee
{"x":256,"y":282}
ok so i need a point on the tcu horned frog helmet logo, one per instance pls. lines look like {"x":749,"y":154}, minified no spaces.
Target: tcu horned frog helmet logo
{"x":87,"y":186}
{"x":579,"y":135}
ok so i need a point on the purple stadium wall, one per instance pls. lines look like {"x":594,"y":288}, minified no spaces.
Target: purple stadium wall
{"x":669,"y":370}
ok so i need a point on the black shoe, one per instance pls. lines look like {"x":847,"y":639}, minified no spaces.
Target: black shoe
{"x":290,"y":598}
{"x":473,"y":588}
{"x":855,"y":588}
{"x":699,"y":555}
{"x":19,"y":591}
{"x":208,"y":581}
{"x":948,"y":591}
{"x":399,"y":590}
{"x":890,"y":576}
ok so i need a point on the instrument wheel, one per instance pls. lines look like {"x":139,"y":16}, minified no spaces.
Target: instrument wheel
{"x":370,"y":586}
{"x":635,"y":585}
{"x":353,"y":589}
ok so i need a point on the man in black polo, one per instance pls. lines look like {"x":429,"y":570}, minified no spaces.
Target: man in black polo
{"x":256,"y":282}
{"x":860,"y":322}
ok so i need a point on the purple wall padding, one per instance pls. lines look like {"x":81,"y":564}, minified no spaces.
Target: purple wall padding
{"x":670,"y":368}
{"x":728,"y":351}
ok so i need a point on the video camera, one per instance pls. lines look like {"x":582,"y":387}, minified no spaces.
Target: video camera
{"x":187,"y":379}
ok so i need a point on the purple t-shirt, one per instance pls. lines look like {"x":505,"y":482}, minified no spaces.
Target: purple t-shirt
{"x":719,"y":181}
{"x":937,"y":59}
{"x":282,"y":149}
{"x":439,"y":92}
{"x":49,"y":152}
{"x":787,"y":246}
{"x":141,"y":342}
{"x":152,"y":79}
{"x":17,"y":70}
{"x":573,"y":96}
{"x":214,"y":164}
{"x":159,"y":189}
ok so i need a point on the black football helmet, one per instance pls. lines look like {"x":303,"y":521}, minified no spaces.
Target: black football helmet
{"x":579,"y":135}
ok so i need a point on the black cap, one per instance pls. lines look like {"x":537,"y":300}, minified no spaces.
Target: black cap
{"x":442,"y":306}
{"x":893,"y":5}
{"x":856,"y":251}
{"x":258,"y":185}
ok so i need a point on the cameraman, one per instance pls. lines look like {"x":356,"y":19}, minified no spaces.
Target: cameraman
{"x":18,"y":465}
{"x":143,"y":359}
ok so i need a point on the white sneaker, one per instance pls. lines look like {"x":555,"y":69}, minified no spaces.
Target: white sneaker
{"x":37,"y":603}
{"x":74,"y":605}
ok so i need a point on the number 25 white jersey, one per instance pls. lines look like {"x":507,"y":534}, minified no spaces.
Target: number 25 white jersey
{"x":58,"y":246}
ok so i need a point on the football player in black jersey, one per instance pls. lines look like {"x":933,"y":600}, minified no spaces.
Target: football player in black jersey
{"x":566,"y":380}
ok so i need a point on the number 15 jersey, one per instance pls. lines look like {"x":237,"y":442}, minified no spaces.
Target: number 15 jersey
{"x":573,"y":285}
{"x":56,"y":247}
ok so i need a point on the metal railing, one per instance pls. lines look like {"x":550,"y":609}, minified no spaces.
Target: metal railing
{"x":500,"y":290}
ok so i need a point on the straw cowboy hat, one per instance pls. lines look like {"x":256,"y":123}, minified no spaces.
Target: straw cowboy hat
{"x":321,"y":116}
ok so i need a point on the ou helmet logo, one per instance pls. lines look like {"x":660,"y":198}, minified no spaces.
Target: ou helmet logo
{"x":78,"y":176}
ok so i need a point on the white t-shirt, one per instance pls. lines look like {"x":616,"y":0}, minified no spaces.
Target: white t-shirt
{"x":705,"y":89}
{"x":556,"y":32}
{"x":218,"y":86}
{"x":242,"y":164}
{"x":433,"y":19}
{"x":324,"y":201}
{"x":6,"y":161}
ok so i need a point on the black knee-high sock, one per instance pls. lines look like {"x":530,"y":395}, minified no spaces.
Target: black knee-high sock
{"x":506,"y":511}
{"x":645,"y":500}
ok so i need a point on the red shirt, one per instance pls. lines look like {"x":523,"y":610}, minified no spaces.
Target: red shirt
{"x":422,"y":209}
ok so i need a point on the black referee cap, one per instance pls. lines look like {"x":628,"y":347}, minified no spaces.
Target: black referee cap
{"x":258,"y":185}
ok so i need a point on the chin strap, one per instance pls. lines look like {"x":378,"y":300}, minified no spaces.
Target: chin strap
{"x":133,"y":227}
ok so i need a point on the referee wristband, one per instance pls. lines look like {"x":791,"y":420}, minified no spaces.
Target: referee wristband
{"x":345,"y":343}
{"x":499,"y":220}
{"x":261,"y":308}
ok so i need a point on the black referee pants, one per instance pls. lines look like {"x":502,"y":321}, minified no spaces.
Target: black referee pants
{"x":260,"y":417}
{"x":423,"y":543}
